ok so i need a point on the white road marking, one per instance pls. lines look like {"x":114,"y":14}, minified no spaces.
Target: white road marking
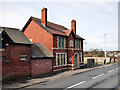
{"x":76,"y":84}
{"x":110,"y":71}
{"x":116,"y":68}
{"x":98,"y":76}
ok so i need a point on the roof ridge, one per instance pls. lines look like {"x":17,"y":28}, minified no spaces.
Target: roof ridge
{"x":58,"y":25}
{"x":56,"y":29}
{"x":51,"y":22}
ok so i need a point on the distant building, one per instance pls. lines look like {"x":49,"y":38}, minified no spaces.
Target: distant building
{"x":65,"y":44}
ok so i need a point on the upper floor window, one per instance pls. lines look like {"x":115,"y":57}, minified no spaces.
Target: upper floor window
{"x":61,"y":42}
{"x":71,"y":43}
{"x":78,"y":44}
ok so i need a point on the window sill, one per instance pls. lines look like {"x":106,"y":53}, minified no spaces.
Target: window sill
{"x":60,"y":65}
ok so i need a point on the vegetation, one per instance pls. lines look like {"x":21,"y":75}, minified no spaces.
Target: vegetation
{"x":94,"y":53}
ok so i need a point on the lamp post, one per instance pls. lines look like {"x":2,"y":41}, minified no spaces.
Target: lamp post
{"x":105,"y":48}
{"x":85,"y":42}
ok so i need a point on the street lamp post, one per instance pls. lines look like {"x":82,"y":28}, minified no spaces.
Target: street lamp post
{"x":105,"y":47}
{"x":85,"y":42}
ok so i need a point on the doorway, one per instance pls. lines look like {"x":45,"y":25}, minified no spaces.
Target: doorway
{"x":75,"y":61}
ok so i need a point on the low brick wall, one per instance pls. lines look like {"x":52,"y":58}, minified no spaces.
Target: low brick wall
{"x":98,"y":60}
{"x":40,"y":67}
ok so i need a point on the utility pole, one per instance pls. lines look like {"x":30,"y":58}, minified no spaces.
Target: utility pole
{"x":105,"y":47}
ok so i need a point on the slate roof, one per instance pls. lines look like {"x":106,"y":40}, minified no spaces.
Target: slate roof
{"x":15,"y":35}
{"x":40,"y":51}
{"x":52,"y":27}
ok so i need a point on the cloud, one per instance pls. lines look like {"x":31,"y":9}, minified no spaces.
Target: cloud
{"x":108,"y":7}
{"x":91,"y":26}
{"x":15,"y":15}
{"x":59,"y":1}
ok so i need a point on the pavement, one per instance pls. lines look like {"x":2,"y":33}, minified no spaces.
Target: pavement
{"x":31,"y":82}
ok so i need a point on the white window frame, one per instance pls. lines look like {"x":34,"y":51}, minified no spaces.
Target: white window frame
{"x":80,"y":55}
{"x":71,"y":43}
{"x":78,"y":44}
{"x":61,"y":58}
{"x":23,"y":57}
{"x":61,"y":42}
{"x":64,"y":42}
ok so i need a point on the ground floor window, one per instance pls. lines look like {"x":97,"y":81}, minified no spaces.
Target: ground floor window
{"x":61,"y":58}
{"x":80,"y":57}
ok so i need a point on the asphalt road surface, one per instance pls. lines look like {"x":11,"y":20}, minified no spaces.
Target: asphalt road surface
{"x":106,"y":77}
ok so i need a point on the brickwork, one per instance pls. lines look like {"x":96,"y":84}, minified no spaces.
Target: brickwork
{"x":40,"y":67}
{"x":38,"y":35}
{"x":15,"y":68}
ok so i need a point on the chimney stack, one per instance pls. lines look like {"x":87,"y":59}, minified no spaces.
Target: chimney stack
{"x":44,"y":16}
{"x":73,"y":26}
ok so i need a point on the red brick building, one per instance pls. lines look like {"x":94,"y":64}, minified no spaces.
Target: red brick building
{"x":65,"y":44}
{"x":21,"y":58}
{"x":16,"y":54}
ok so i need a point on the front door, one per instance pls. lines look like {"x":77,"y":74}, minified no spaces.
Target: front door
{"x":75,"y":62}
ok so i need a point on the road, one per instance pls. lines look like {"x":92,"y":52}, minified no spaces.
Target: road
{"x":106,"y":77}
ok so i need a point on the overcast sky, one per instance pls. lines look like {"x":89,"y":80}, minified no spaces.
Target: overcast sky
{"x":93,"y":19}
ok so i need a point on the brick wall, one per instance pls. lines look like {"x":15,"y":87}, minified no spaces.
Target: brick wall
{"x":71,"y":38}
{"x":40,"y":67}
{"x":15,"y":68}
{"x":55,"y":42}
{"x":39,"y":35}
{"x":71,"y":52}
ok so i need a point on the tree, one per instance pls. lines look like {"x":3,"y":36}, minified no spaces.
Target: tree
{"x":94,"y":53}
{"x":101,"y":54}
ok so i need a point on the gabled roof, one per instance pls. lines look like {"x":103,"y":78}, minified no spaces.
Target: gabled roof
{"x":68,"y":32}
{"x":15,"y":35}
{"x":52,"y":28}
{"x":40,"y":51}
{"x":77,"y":36}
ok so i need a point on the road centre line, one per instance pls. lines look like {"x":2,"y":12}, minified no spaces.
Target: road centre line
{"x":110,"y":71}
{"x":98,"y":76}
{"x":85,"y":81}
{"x":118,"y":68}
{"x":76,"y":84}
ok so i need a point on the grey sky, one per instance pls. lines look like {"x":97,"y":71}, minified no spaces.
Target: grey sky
{"x":93,"y":19}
